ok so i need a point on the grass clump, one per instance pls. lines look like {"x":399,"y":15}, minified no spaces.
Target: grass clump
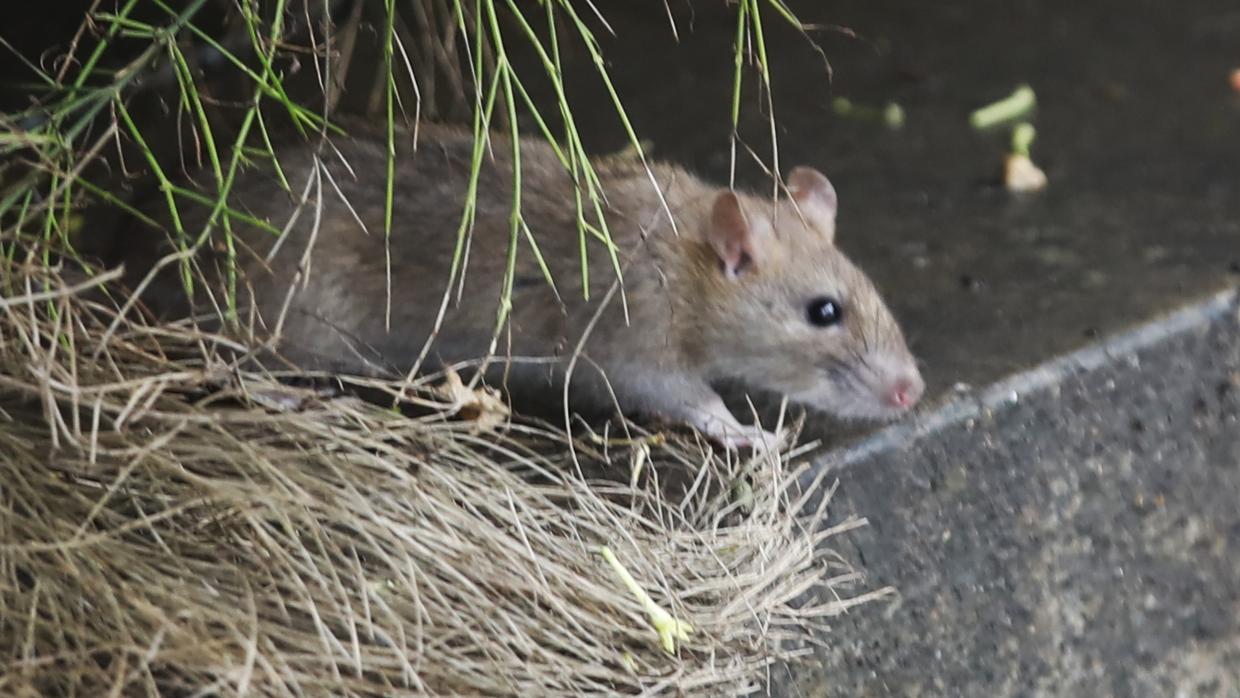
{"x":162,"y":538}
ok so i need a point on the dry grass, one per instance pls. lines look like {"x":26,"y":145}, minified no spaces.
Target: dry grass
{"x":173,"y":523}
{"x":159,"y":537}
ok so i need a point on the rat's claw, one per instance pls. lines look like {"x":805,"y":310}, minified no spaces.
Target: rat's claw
{"x":734,"y":436}
{"x":757,"y":438}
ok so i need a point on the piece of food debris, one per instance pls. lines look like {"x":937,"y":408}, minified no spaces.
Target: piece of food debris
{"x":1019,"y":172}
{"x":1014,"y":106}
{"x":1022,"y":137}
{"x":1235,"y":79}
{"x":891,"y":114}
{"x":669,"y":628}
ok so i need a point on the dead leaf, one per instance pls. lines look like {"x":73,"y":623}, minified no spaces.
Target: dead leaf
{"x":483,"y":405}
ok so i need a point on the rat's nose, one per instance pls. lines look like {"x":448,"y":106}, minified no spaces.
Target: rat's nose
{"x":906,"y":391}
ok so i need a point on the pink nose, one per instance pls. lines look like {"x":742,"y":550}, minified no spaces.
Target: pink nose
{"x":905,"y":392}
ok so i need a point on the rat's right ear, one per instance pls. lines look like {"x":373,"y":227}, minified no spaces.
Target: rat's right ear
{"x":815,"y":198}
{"x":730,"y":234}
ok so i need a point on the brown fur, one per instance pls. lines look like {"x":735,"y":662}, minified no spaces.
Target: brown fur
{"x":690,"y":322}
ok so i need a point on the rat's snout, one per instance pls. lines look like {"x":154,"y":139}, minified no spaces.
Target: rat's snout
{"x":905,"y":391}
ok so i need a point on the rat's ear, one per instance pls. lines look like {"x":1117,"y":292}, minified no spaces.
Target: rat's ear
{"x":730,"y":234}
{"x":815,"y":198}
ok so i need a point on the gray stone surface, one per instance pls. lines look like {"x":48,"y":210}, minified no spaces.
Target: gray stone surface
{"x":1072,"y":532}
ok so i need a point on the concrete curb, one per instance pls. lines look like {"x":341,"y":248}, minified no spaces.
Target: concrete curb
{"x":1047,"y":375}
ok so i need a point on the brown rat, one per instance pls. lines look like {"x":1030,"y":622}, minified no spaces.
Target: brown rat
{"x":745,"y":287}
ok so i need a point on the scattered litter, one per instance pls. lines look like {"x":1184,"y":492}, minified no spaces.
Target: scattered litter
{"x":668,"y":627}
{"x":892,"y":114}
{"x":1014,"y":106}
{"x":1022,"y":137}
{"x":1019,"y":172}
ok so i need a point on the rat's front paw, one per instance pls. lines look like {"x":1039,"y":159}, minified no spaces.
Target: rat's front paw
{"x":741,"y":436}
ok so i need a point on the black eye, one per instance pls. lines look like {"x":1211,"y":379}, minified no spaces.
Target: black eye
{"x":825,"y":312}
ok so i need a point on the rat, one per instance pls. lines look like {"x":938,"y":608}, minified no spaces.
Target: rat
{"x":715,"y":284}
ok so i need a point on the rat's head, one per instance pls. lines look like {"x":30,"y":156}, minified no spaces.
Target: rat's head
{"x":794,"y":314}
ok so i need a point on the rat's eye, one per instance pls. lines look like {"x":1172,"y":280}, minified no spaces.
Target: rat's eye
{"x":825,"y":312}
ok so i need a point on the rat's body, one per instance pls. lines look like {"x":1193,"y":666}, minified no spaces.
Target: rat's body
{"x":727,"y":297}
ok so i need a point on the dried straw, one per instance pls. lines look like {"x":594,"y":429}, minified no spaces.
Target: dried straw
{"x":162,"y":534}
